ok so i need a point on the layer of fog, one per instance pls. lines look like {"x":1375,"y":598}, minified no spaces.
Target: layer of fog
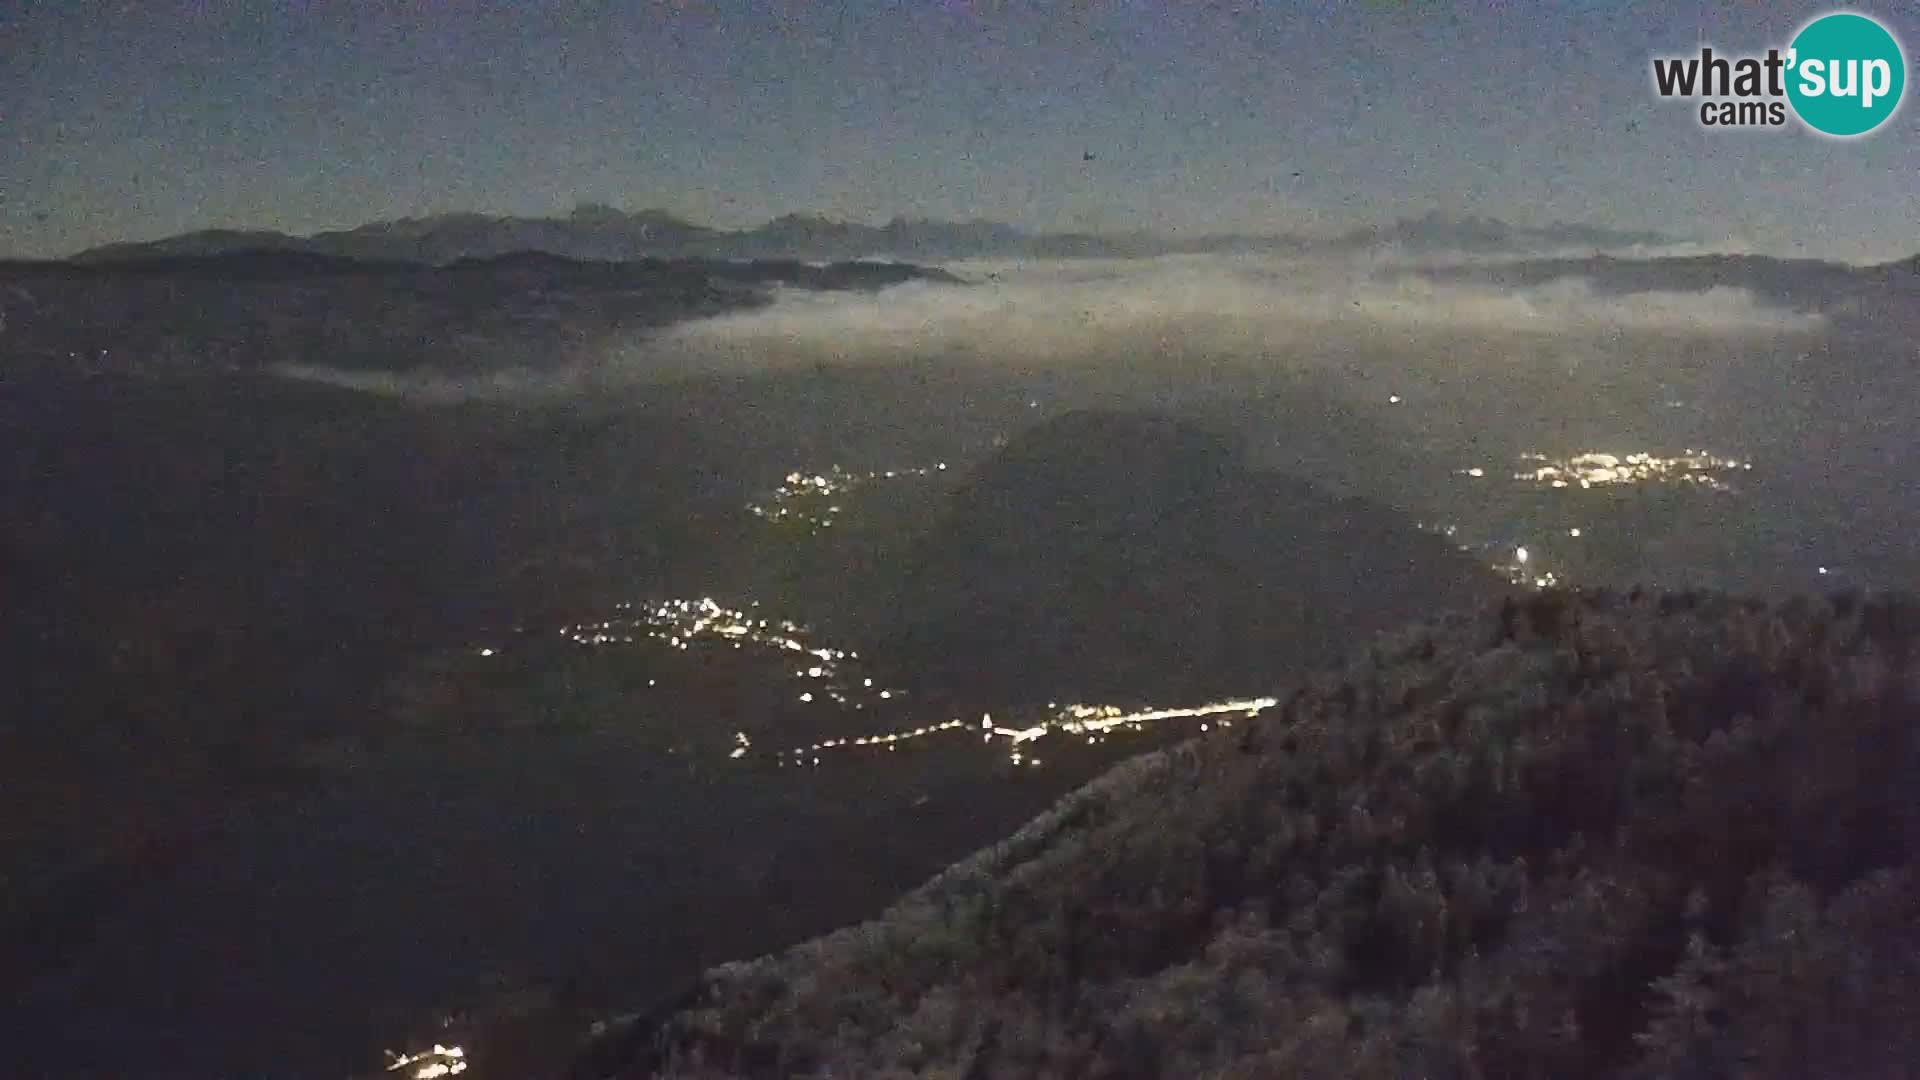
{"x":1249,"y":312}
{"x":1329,"y":353}
{"x":1030,"y":315}
{"x":1369,"y":376}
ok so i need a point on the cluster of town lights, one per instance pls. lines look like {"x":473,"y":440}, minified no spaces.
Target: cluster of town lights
{"x":1595,"y":469}
{"x":429,"y":1064}
{"x":1092,"y":722}
{"x":808,"y":498}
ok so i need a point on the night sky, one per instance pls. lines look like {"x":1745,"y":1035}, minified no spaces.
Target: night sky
{"x":139,"y":119}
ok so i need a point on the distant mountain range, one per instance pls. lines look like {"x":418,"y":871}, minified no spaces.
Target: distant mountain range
{"x":605,"y":233}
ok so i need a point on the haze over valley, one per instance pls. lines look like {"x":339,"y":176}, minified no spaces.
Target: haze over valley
{"x":750,"y":530}
{"x":953,"y":540}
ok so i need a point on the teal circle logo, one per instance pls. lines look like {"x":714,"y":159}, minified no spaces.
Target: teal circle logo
{"x":1845,"y":74}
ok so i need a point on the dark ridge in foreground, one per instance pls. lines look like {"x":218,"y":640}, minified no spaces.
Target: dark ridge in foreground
{"x":1575,"y":835}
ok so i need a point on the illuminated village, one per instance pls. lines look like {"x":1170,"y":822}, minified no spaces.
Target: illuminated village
{"x":1594,"y":469}
{"x":429,"y":1064}
{"x":1525,"y":563}
{"x":827,"y":676}
{"x":809,"y":499}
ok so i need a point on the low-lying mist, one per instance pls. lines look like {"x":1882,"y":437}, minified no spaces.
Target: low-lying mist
{"x":1034,"y":315}
{"x":1254,"y":314}
{"x":1378,"y":377}
{"x":1467,"y":367}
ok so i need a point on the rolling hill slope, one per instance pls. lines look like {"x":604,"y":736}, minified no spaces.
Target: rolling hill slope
{"x":1570,"y":836}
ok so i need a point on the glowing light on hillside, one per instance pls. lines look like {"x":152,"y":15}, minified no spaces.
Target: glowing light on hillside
{"x":682,"y":625}
{"x":429,"y":1064}
{"x":810,"y":499}
{"x":1598,"y":469}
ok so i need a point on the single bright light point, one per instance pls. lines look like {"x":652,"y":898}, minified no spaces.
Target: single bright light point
{"x":1393,"y":399}
{"x":1520,"y":554}
{"x":1573,"y":532}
